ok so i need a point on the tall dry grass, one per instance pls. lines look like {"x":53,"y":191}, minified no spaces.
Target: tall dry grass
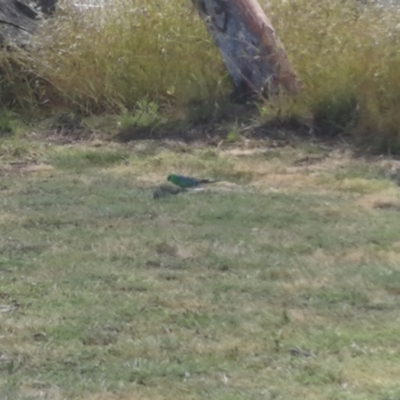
{"x":110,"y":59}
{"x":346,"y":54}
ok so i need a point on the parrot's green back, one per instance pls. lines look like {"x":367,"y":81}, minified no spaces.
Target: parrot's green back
{"x":186,"y":182}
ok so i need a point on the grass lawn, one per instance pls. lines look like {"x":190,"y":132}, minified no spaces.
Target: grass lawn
{"x":280,"y":282}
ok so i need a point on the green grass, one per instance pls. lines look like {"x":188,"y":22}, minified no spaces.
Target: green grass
{"x":263,"y":288}
{"x":81,"y":159}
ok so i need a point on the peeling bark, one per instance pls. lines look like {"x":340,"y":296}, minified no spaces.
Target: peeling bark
{"x":252,"y":53}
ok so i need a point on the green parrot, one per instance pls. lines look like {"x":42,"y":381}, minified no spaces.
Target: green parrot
{"x":166,"y":190}
{"x":186,"y":182}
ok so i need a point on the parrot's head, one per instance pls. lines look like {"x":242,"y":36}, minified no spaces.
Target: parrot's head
{"x":170,"y":178}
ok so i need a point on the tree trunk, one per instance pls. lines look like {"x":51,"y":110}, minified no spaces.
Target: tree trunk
{"x":252,"y":53}
{"x":18,"y":20}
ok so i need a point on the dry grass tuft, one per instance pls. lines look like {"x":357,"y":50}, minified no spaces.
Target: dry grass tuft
{"x":387,"y":198}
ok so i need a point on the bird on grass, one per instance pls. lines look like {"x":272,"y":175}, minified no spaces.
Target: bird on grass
{"x":166,"y":190}
{"x":186,"y":182}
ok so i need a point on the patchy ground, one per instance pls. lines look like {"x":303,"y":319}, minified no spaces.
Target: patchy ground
{"x":281,"y":281}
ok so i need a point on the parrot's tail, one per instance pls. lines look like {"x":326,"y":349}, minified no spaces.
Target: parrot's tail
{"x":203,"y":181}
